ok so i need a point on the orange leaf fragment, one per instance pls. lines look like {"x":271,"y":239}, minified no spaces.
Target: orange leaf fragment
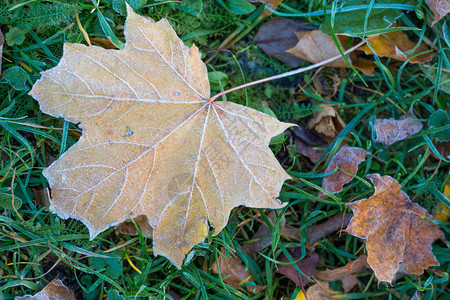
{"x":394,"y":45}
{"x":395,"y":230}
{"x":347,"y":159}
{"x":152,"y":145}
{"x":390,"y":131}
{"x":55,"y":290}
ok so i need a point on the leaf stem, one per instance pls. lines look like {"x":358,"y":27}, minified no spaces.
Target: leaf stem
{"x":298,"y":71}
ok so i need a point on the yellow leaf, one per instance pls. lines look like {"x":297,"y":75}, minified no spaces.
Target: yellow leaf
{"x":300,"y":296}
{"x":394,"y":45}
{"x":443,"y":212}
{"x":152,"y":144}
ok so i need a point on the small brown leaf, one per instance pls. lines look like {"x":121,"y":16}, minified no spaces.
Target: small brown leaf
{"x":128,"y":227}
{"x":395,"y":230}
{"x":307,"y":265}
{"x":394,"y":45}
{"x":55,"y":290}
{"x":319,"y":292}
{"x":235,"y":272}
{"x":308,"y":144}
{"x":313,"y":153}
{"x":277,"y":35}
{"x":347,"y":274}
{"x":326,"y":122}
{"x":102,"y":42}
{"x":315,"y":46}
{"x":347,"y":159}
{"x":440,"y":9}
{"x":390,"y":131}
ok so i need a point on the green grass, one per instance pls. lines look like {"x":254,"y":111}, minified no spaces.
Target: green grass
{"x":36,"y":246}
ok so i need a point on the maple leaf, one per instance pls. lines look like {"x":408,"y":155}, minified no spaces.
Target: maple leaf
{"x":395,"y":230}
{"x":390,"y":131}
{"x":347,"y":159}
{"x":152,"y":142}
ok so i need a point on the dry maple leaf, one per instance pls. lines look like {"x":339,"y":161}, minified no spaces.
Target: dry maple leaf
{"x":152,"y":143}
{"x":395,"y":230}
{"x":347,"y":159}
{"x":390,"y":131}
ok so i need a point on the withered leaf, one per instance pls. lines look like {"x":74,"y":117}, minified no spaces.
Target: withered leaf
{"x":152,"y":144}
{"x":235,"y":272}
{"x":326,"y":122}
{"x":141,"y":221}
{"x":440,"y":9}
{"x":308,"y":143}
{"x":307,"y":265}
{"x":394,"y":45}
{"x":347,"y":274}
{"x":276,"y":36}
{"x":390,"y":131}
{"x":347,"y":159}
{"x":394,"y":229}
{"x":55,"y":290}
{"x":320,"y":291}
{"x":315,"y":46}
